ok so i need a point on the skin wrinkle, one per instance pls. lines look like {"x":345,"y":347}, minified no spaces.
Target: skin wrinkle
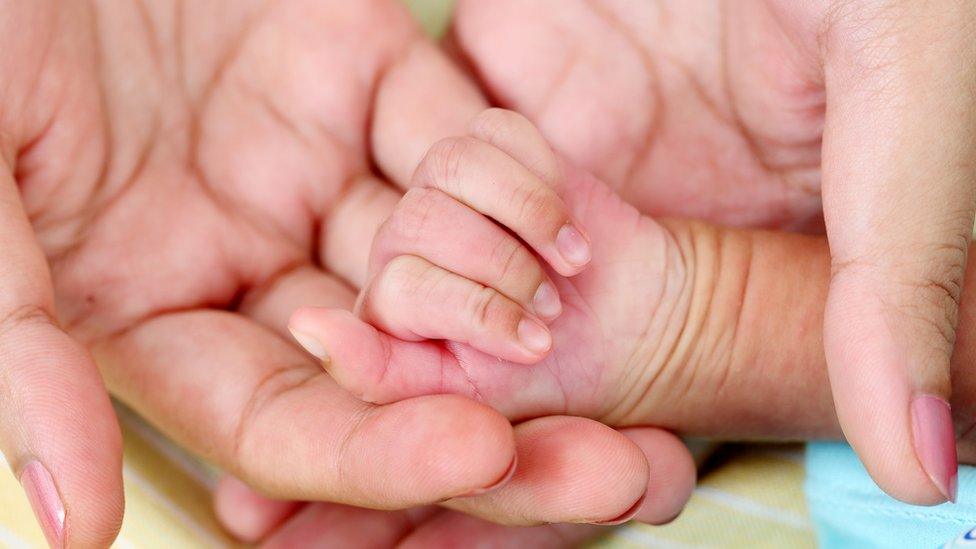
{"x":944,"y":295}
{"x":274,"y":229}
{"x":200,"y":110}
{"x":552,"y":367}
{"x":660,"y":108}
{"x":450,"y":350}
{"x":647,"y":387}
{"x":379,"y":81}
{"x":387,"y":356}
{"x":726,"y":370}
{"x":346,"y":192}
{"x":687,"y":258}
{"x":168,"y":264}
{"x":30,"y":92}
{"x":512,"y":252}
{"x":260,"y":290}
{"x":632,"y":363}
{"x":24,"y":314}
{"x":152,"y":39}
{"x":751,"y":135}
{"x":35,"y":215}
{"x":560,"y":79}
{"x":697,"y":87}
{"x":704,"y":277}
{"x":671,"y":138}
{"x":786,"y":174}
{"x":356,"y":424}
{"x":221,"y":200}
{"x":271,"y":388}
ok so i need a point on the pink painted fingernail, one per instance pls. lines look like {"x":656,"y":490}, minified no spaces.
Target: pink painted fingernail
{"x":627,"y":515}
{"x":573,"y":246}
{"x":546,"y":301}
{"x":534,"y":336}
{"x":45,"y":501}
{"x":935,"y":442}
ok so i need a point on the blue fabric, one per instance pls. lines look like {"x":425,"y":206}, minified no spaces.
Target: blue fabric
{"x":849,"y":510}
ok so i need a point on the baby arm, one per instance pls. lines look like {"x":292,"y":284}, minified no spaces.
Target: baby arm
{"x":679,"y":324}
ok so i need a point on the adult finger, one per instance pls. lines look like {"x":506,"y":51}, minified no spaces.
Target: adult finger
{"x":571,"y":470}
{"x":672,"y":474}
{"x":326,"y":525}
{"x":259,"y":407}
{"x":58,"y":432}
{"x":407,"y":122}
{"x":458,"y":530}
{"x":350,"y":228}
{"x":251,"y":517}
{"x":899,"y":193}
{"x":246,"y":514}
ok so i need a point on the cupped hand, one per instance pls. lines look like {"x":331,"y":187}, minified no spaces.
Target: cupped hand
{"x":182,"y":167}
{"x":770,"y":113}
{"x":736,"y":351}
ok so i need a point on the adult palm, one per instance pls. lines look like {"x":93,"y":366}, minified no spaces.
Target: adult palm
{"x":718,"y":110}
{"x":756,"y":113}
{"x":180,"y":168}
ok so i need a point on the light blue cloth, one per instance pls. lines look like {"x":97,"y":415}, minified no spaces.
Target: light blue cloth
{"x":849,"y":510}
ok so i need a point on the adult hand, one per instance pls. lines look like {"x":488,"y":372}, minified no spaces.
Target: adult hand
{"x":752,"y":113}
{"x":183,"y":166}
{"x":771,"y":383}
{"x":58,"y":431}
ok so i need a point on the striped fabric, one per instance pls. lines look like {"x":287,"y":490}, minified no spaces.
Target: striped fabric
{"x":747,"y":497}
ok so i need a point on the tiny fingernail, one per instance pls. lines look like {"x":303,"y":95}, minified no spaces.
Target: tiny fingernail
{"x":935,"y":442}
{"x":546,"y":301}
{"x":573,"y":246}
{"x":627,"y":515}
{"x":534,"y":336}
{"x":45,"y":500}
{"x":311,"y":344}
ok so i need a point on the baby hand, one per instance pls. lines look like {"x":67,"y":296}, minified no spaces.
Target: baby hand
{"x":463,"y":304}
{"x":461,"y":257}
{"x":667,"y":323}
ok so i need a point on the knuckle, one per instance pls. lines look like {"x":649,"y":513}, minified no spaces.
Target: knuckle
{"x":444,"y":161}
{"x":407,"y":279}
{"x":932,"y":302}
{"x":24,"y":315}
{"x":402,"y":274}
{"x":513,"y":264}
{"x":488,"y":308}
{"x":923,"y":291}
{"x":246,"y":438}
{"x":495,"y":122}
{"x":412,"y":217}
{"x":538,"y":209}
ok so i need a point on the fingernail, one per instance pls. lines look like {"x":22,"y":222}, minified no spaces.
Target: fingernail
{"x":935,"y":442}
{"x":574,"y":248}
{"x":310,"y":344}
{"x":628,"y":514}
{"x":534,"y":336}
{"x":45,"y":501}
{"x":546,"y":301}
{"x":507,"y":476}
